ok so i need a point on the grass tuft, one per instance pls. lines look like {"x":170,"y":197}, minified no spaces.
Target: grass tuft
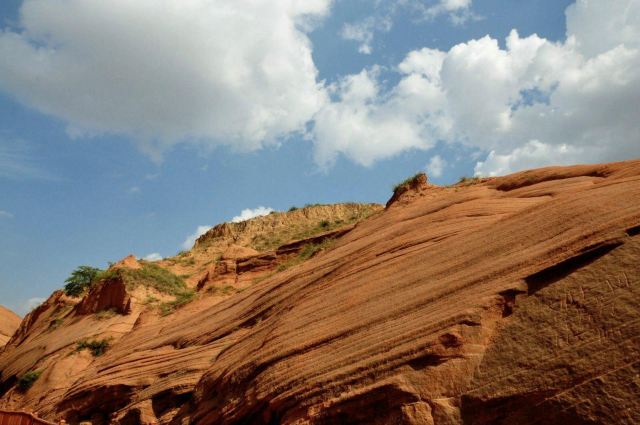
{"x":97,"y":347}
{"x":181,"y":299}
{"x":27,"y":380}
{"x":408,"y":182}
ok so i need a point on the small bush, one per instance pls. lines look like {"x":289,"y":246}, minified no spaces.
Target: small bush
{"x":27,"y":380}
{"x":324,"y":224}
{"x":97,"y":347}
{"x":80,"y":280}
{"x":293,"y":208}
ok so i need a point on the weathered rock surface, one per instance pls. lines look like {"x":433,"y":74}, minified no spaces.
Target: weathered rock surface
{"x":9,"y":322}
{"x":513,"y":300}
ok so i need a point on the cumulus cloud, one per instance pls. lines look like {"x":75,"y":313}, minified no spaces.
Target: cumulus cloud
{"x":223,"y":72}
{"x":248,"y":214}
{"x":155,"y":256}
{"x":191,"y":239}
{"x":436,"y":165}
{"x":5,"y":214}
{"x":533,"y":102}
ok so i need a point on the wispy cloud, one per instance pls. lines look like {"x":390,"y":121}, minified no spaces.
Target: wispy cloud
{"x":5,"y":214}
{"x":17,"y":161}
{"x":364,"y":30}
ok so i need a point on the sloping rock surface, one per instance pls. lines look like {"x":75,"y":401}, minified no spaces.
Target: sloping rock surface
{"x":513,"y":300}
{"x":9,"y":322}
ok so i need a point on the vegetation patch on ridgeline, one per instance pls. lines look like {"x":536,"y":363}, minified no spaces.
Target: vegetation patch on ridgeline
{"x":468,"y":181}
{"x":268,"y":241}
{"x":27,"y":380}
{"x":96,"y":347}
{"x":267,"y":233}
{"x":162,"y":280}
{"x":151,"y":275}
{"x":409,"y":182}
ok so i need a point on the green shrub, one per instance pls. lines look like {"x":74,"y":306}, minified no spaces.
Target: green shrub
{"x":324,"y":224}
{"x":293,"y":208}
{"x":27,"y":380}
{"x":97,"y":347}
{"x":80,"y":280}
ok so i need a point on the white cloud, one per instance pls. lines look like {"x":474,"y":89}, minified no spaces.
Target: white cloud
{"x":33,"y":303}
{"x":191,"y":239}
{"x":436,"y":166}
{"x":5,"y":214}
{"x":155,"y":256}
{"x":134,"y":189}
{"x":223,"y":72}
{"x":532,"y":154}
{"x":363,"y":31}
{"x":248,"y":214}
{"x":534,"y":102}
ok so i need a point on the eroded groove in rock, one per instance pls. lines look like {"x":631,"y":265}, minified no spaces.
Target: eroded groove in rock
{"x":552,"y":274}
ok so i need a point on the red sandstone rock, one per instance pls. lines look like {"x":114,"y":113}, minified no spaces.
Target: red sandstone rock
{"x":514,"y":300}
{"x":109,"y":294}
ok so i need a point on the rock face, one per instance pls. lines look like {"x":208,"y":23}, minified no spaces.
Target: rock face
{"x":110,"y":294}
{"x":9,"y":322}
{"x":513,"y":300}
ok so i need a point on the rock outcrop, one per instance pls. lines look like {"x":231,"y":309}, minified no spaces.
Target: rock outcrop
{"x":512,"y":300}
{"x":9,"y":322}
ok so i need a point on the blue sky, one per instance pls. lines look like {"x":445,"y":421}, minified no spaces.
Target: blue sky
{"x":124,"y":129}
